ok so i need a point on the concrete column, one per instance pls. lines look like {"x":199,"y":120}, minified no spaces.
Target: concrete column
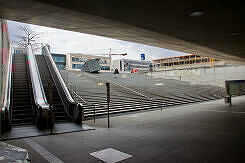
{"x":1,"y":53}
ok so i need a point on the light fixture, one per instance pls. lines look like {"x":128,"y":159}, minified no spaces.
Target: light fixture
{"x":232,"y":34}
{"x":196,"y":13}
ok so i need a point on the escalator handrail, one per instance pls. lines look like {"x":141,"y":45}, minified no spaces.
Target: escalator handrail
{"x":7,"y":96}
{"x":38,"y":91}
{"x":67,"y":93}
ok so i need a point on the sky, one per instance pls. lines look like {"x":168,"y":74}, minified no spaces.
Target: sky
{"x":63,"y":41}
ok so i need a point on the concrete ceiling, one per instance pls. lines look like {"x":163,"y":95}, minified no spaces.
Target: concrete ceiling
{"x":219,"y":32}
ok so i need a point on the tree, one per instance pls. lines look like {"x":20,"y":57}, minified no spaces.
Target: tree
{"x":26,"y":37}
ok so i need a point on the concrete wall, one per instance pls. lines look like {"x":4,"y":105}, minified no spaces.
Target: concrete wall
{"x":4,"y":57}
{"x":205,"y":75}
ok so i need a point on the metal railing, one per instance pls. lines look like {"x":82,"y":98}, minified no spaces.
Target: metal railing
{"x":100,"y":109}
{"x":86,"y":105}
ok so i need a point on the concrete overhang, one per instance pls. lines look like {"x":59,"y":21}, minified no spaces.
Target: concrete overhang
{"x":178,"y":25}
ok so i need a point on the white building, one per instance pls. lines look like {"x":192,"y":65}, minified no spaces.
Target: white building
{"x":74,"y":61}
{"x":128,"y":64}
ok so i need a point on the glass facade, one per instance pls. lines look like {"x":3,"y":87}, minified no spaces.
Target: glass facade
{"x":60,"y":67}
{"x":77,"y":66}
{"x":60,"y":60}
{"x":105,"y":67}
{"x":79,"y":59}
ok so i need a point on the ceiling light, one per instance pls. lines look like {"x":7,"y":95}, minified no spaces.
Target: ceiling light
{"x":235,"y":34}
{"x":196,"y":13}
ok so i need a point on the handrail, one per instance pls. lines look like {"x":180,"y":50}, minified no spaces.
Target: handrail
{"x":6,"y":103}
{"x":68,"y":95}
{"x":85,"y":102}
{"x":38,"y":91}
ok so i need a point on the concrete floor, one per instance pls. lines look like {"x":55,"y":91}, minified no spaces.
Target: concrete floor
{"x":206,"y":132}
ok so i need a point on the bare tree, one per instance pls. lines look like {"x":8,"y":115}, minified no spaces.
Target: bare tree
{"x":26,"y":37}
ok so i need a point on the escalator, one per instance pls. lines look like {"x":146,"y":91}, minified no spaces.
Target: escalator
{"x":21,"y":97}
{"x":64,"y":107}
{"x":60,"y":114}
{"x":30,"y":81}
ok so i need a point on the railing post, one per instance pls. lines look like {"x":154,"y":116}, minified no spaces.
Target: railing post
{"x":108,"y":103}
{"x":51,"y":119}
{"x":80,"y":109}
{"x":75,"y":89}
{"x":51,"y":107}
{"x":94,"y":112}
{"x":161,"y":104}
{"x":141,"y":102}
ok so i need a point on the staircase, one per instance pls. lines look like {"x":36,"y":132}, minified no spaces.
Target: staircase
{"x":125,"y":99}
{"x":21,"y":103}
{"x":60,"y":114}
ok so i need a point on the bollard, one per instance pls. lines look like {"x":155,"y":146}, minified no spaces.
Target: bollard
{"x":108,"y":103}
{"x":230,"y":100}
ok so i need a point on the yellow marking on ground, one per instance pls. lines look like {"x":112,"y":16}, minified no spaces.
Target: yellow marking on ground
{"x":100,"y":84}
{"x":159,"y":84}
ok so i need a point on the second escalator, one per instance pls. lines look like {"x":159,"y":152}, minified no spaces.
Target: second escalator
{"x":60,"y":114}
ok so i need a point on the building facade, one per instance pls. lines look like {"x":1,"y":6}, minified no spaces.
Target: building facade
{"x":74,"y":61}
{"x":184,"y":61}
{"x":198,"y":70}
{"x":127,"y":64}
{"x":60,"y":60}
